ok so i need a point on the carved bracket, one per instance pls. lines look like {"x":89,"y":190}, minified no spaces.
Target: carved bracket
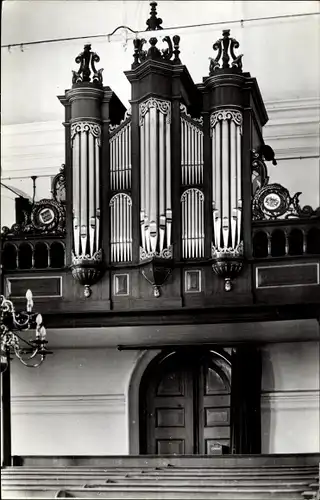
{"x":156,"y":271}
{"x":87,"y":270}
{"x":227,"y":263}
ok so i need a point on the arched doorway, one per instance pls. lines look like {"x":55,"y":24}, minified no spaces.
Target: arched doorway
{"x":185,"y":403}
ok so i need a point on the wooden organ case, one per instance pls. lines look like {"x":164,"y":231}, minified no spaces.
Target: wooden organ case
{"x":168,"y":214}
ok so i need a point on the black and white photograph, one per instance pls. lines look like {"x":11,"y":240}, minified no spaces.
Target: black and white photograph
{"x":160,"y":249}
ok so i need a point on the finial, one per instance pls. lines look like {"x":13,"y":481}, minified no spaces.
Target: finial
{"x":225,"y":46}
{"x":86,"y":59}
{"x":153,"y":22}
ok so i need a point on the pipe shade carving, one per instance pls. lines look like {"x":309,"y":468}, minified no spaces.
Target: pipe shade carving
{"x":226,"y":132}
{"x":155,"y":178}
{"x":87,"y":254}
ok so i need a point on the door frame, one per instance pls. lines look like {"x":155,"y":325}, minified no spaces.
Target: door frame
{"x":147,"y":361}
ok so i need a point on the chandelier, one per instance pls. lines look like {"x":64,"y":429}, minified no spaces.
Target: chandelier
{"x":32,"y":352}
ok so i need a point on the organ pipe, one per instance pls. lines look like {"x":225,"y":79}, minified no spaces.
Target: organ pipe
{"x":85,"y":141}
{"x":192,"y":212}
{"x":226,"y":134}
{"x":155,"y":174}
{"x":191,"y":153}
{"x":121,"y":228}
{"x":120,"y":158}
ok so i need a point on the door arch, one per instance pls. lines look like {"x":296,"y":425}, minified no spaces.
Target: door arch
{"x":184,"y":403}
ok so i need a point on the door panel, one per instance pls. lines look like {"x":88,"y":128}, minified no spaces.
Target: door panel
{"x":170,"y":412}
{"x":214,"y":404}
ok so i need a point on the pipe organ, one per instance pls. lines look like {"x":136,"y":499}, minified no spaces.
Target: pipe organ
{"x":174,"y":185}
{"x":155,"y":178}
{"x":226,"y":132}
{"x":85,"y":141}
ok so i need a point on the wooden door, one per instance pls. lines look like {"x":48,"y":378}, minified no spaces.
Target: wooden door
{"x":169,"y":410}
{"x":186,"y":406}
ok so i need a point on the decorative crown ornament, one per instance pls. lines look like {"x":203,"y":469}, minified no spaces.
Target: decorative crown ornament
{"x":225,"y":46}
{"x":87,"y":59}
{"x":169,"y":55}
{"x":141,"y":55}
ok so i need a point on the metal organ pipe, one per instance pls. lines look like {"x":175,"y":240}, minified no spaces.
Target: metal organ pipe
{"x":121,"y":229}
{"x":97,"y":197}
{"x":217,"y":225}
{"x":120,"y":203}
{"x":239,"y":193}
{"x":162,"y":201}
{"x":83,"y":192}
{"x":192,"y":202}
{"x":76,"y":192}
{"x":155,"y":172}
{"x":233,"y":182}
{"x":226,"y":172}
{"x":154,"y":188}
{"x":85,"y":142}
{"x":92,"y":185}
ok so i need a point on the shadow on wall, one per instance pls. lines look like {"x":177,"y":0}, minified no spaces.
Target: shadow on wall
{"x":268,"y":382}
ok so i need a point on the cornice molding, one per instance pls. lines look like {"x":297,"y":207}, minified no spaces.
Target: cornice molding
{"x":292,"y":104}
{"x":68,"y":404}
{"x":291,"y":400}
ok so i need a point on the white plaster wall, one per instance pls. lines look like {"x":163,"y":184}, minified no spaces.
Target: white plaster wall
{"x":290,"y":398}
{"x":75,"y":403}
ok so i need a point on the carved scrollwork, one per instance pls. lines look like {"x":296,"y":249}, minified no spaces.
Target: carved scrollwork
{"x":126,"y":117}
{"x":163,"y":106}
{"x":225,"y":46}
{"x":184,"y":111}
{"x":46,"y":217}
{"x":91,"y":127}
{"x":259,"y":171}
{"x":87,"y":59}
{"x":169,"y":54}
{"x":59,"y":186}
{"x":166,"y":253}
{"x":225,"y":114}
{"x":273,"y":201}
